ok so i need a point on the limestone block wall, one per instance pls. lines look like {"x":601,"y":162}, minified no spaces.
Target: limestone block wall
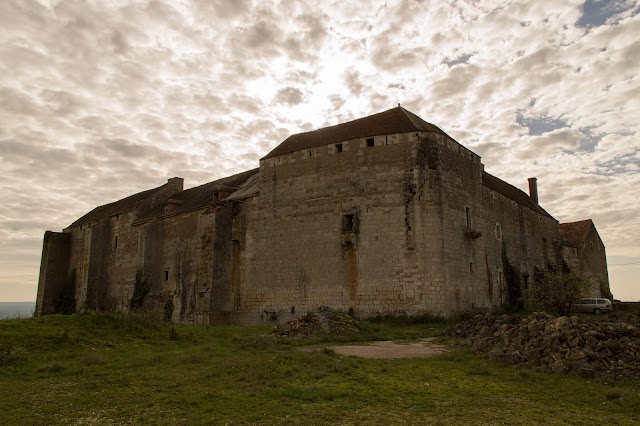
{"x":460,"y":180}
{"x":104,"y":256}
{"x":53,"y":270}
{"x":593,"y":263}
{"x":528,"y":238}
{"x":335,"y":226}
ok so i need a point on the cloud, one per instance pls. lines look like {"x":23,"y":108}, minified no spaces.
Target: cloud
{"x":289,"y":95}
{"x":99,"y":100}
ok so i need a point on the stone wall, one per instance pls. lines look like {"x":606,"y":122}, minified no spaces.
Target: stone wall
{"x":53,"y":271}
{"x":593,"y":264}
{"x":332,"y":226}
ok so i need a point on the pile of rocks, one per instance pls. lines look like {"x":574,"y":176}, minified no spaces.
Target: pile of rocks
{"x":559,"y":344}
{"x":321,"y":320}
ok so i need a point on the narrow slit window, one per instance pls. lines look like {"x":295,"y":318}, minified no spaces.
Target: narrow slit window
{"x":468,"y":216}
{"x":370,"y":142}
{"x":115,"y":243}
{"x":339,"y":147}
{"x":166,"y":275}
{"x":471,"y":267}
{"x":348,"y":222}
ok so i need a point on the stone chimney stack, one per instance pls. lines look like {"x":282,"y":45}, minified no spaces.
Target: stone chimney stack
{"x":177,"y":183}
{"x":533,"y":189}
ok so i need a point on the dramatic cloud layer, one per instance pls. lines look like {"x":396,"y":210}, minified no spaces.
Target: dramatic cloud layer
{"x":99,"y":100}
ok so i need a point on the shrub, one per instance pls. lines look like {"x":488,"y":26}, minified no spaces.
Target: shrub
{"x":557,"y":291}
{"x":140,"y":290}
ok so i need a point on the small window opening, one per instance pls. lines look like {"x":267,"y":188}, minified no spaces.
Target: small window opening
{"x":115,"y":244}
{"x":310,"y":153}
{"x":370,"y":142}
{"x":467,"y":211}
{"x":339,"y":147}
{"x":498,"y":231}
{"x":348,"y":222}
{"x":216,"y":197}
{"x":166,"y":275}
{"x":471,"y":267}
{"x":117,"y":217}
{"x":526,"y":282}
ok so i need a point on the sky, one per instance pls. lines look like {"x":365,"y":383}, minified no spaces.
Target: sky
{"x":103,"y":99}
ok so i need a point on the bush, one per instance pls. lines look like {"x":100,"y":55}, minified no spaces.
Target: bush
{"x":140,"y":290}
{"x":557,"y":291}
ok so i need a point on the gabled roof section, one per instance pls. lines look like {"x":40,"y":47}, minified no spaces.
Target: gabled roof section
{"x":574,"y":233}
{"x":197,"y":197}
{"x":395,"y":120}
{"x":117,"y":207}
{"x":512,"y":193}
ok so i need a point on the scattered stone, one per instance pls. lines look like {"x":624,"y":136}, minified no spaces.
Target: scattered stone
{"x":321,"y":320}
{"x":564,"y":344}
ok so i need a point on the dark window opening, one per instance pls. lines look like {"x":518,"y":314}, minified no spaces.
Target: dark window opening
{"x":339,"y":147}
{"x":526,"y":282}
{"x":348,"y":222}
{"x":166,"y":275}
{"x":370,"y":142}
{"x":117,"y":217}
{"x":310,"y":153}
{"x":216,"y":197}
{"x":471,"y":267}
{"x":468,"y":214}
{"x":116,"y":243}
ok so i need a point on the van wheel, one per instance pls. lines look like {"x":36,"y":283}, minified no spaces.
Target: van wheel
{"x":597,"y":311}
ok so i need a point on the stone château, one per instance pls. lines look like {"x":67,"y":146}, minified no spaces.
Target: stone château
{"x":385,"y":214}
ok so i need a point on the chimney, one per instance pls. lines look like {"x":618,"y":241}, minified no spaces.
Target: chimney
{"x":177,"y":183}
{"x":533,"y":189}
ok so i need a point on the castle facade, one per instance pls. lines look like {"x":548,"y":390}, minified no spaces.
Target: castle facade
{"x":385,"y":214}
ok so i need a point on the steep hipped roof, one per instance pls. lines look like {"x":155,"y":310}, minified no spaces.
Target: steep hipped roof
{"x":511,"y":192}
{"x":197,"y":197}
{"x":117,"y":207}
{"x":395,"y":120}
{"x":573,"y":233}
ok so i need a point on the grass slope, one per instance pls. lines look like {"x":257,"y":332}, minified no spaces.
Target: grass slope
{"x":110,"y":369}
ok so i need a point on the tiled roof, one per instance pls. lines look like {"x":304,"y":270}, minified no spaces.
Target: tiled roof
{"x":117,"y":207}
{"x":511,"y":192}
{"x":395,"y":120}
{"x":573,"y":233}
{"x":250,"y":188}
{"x":197,"y":197}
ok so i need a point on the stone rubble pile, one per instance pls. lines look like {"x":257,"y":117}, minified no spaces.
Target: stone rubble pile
{"x":564,"y":344}
{"x":321,"y":320}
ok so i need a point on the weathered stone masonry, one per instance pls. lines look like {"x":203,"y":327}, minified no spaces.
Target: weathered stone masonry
{"x":384,"y":214}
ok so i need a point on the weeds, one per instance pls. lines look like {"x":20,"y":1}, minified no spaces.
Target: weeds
{"x":9,"y":354}
{"x":93,"y":358}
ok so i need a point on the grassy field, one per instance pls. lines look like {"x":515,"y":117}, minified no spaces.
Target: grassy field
{"x":96,"y":369}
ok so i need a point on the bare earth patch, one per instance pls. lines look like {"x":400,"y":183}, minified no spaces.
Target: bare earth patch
{"x":392,"y":350}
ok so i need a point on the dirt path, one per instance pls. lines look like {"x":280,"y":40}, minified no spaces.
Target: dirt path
{"x":391,"y":350}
